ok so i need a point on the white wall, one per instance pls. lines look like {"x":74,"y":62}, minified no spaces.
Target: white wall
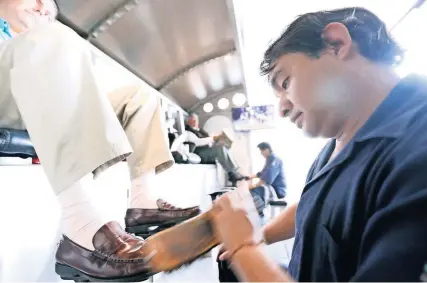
{"x":411,"y":36}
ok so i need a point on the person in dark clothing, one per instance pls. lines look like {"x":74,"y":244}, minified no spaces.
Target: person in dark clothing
{"x":362,"y":213}
{"x":211,"y":148}
{"x":271,"y":178}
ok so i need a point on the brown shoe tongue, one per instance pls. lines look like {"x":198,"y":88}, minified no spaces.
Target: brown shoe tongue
{"x":109,"y":237}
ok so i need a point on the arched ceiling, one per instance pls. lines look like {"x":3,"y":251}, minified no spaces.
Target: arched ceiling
{"x":183,"y":48}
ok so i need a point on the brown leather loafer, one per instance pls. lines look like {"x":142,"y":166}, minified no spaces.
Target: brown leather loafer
{"x":118,"y":257}
{"x":147,"y":222}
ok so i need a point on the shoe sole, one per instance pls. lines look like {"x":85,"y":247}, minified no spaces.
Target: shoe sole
{"x":147,"y":230}
{"x":182,"y":244}
{"x":70,"y":273}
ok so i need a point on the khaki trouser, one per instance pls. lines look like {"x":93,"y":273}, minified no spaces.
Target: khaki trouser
{"x":48,"y":86}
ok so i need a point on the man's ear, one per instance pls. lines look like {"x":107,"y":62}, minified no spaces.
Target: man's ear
{"x":339,"y":39}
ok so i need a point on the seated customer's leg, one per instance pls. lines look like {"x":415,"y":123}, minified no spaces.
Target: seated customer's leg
{"x":222,"y":154}
{"x":258,"y":195}
{"x":142,"y":119}
{"x":69,"y":120}
{"x":206,"y":154}
{"x":75,"y":132}
{"x":140,"y":115}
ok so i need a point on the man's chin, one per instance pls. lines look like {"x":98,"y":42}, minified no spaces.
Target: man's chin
{"x":310,"y":133}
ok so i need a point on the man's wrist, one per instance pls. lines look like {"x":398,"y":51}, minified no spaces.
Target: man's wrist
{"x":241,"y":248}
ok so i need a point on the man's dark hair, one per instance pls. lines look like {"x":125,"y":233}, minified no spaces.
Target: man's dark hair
{"x":367,"y":31}
{"x":264,"y":146}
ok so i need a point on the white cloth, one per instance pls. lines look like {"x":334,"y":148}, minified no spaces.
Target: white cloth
{"x":245,"y":201}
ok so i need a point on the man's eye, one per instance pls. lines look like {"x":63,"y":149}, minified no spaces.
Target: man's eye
{"x":285,"y":83}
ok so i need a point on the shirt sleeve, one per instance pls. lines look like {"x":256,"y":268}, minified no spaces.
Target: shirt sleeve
{"x":270,"y":171}
{"x":394,"y":242}
{"x":191,"y":137}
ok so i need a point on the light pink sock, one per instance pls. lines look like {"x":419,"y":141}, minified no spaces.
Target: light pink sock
{"x":140,"y":191}
{"x":80,"y":218}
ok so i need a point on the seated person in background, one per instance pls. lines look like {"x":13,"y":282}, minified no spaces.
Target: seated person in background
{"x":48,"y":87}
{"x":211,"y":148}
{"x":271,"y":175}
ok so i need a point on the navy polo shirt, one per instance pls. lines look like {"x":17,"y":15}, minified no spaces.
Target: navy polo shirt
{"x":363,"y":216}
{"x":274,"y":175}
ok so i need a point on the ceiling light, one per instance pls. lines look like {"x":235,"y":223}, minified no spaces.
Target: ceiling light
{"x":223,"y":103}
{"x":239,"y":99}
{"x":208,"y":107}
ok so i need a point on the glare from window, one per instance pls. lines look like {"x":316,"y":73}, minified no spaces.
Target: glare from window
{"x":208,"y":107}
{"x":239,"y":99}
{"x":223,"y":103}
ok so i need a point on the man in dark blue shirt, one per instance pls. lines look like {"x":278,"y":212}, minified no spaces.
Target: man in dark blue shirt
{"x":271,"y":176}
{"x":362,"y":215}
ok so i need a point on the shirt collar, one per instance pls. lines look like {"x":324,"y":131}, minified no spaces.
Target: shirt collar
{"x":391,"y":117}
{"x":5,"y":28}
{"x":271,"y":157}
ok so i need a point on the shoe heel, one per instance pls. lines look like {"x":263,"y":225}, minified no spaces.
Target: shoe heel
{"x":69,"y":273}
{"x":149,"y":229}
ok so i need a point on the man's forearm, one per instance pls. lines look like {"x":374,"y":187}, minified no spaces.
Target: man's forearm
{"x":252,"y":265}
{"x":282,"y":227}
{"x":203,"y":141}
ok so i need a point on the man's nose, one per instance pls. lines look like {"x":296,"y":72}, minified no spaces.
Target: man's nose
{"x":285,"y":106}
{"x":43,"y":7}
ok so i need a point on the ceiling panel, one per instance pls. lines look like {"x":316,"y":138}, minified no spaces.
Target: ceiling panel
{"x":87,"y":13}
{"x":178,"y":47}
{"x":162,"y":38}
{"x":206,"y":80}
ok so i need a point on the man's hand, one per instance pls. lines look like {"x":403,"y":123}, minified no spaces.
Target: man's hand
{"x":252,"y":177}
{"x":220,"y":139}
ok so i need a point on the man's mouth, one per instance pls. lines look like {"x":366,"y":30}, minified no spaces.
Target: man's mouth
{"x":294,"y":117}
